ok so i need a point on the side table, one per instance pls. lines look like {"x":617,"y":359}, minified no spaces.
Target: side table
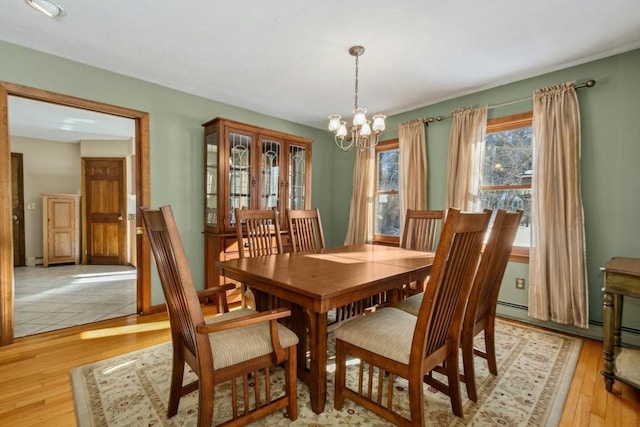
{"x":621,"y":278}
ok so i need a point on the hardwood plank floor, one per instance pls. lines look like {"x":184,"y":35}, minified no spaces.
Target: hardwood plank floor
{"x":35,"y":388}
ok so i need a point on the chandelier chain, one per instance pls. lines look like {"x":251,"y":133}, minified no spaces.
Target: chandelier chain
{"x":356,"y":96}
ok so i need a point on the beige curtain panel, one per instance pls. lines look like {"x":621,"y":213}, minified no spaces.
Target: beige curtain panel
{"x":557,"y":269}
{"x":360,"y":213}
{"x":413,"y":167}
{"x":466,"y":148}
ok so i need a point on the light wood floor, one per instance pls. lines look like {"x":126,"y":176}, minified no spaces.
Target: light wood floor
{"x":35,"y":387}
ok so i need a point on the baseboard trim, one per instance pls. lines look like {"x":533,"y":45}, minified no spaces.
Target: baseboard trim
{"x":630,"y":336}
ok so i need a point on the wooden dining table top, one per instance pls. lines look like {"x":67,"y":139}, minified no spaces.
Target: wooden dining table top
{"x":331,"y":277}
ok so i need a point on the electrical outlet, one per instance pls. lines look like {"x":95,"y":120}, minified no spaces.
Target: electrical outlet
{"x":519,"y":282}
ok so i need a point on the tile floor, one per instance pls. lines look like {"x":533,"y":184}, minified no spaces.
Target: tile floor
{"x":61,"y":296}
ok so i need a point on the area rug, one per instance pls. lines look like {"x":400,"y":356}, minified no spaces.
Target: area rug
{"x":535,"y":368}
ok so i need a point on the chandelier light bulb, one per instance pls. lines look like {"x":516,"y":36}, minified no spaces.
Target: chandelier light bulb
{"x":334,"y":122}
{"x":342,"y":130}
{"x":378,"y":123}
{"x":359,"y":118}
{"x":365,"y":130}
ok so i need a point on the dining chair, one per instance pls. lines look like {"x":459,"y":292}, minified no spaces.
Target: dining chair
{"x":233,"y":345}
{"x":305,"y":230}
{"x":400,"y":344}
{"x":257,"y":234}
{"x":420,"y":232}
{"x":481,"y":307}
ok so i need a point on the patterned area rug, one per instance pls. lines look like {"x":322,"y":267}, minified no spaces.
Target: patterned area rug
{"x":535,"y":370}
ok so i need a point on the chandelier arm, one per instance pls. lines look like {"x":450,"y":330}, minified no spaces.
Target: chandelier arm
{"x":364,"y":146}
{"x":341,"y":145}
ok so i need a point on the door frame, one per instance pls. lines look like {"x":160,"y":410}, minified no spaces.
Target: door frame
{"x":19,"y":239}
{"x":142,"y":185}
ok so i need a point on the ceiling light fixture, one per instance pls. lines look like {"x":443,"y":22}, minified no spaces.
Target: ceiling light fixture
{"x":361,"y":130}
{"x":48,"y":7}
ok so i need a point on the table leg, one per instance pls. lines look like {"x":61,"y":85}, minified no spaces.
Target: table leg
{"x":608,"y":314}
{"x":318,"y":362}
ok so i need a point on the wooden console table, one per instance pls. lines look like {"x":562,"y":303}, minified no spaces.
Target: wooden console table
{"x":621,"y":278}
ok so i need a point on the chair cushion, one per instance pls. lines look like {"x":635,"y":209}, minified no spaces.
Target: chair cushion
{"x":411,"y":305}
{"x":387,"y":332}
{"x":248,"y":342}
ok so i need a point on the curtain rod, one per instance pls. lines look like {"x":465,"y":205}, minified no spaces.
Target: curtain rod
{"x":588,"y":83}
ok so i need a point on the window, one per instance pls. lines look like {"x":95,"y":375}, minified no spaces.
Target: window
{"x":507,"y":171}
{"x":386,"y":209}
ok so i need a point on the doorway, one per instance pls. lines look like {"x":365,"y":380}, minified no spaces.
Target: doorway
{"x":141,"y":183}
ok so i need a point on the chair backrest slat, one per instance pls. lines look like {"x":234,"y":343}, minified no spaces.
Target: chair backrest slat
{"x":305,"y":230}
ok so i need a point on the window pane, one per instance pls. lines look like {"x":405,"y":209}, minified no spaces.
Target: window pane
{"x":388,"y":170}
{"x":508,"y":158}
{"x":510,"y":200}
{"x":387,"y":219}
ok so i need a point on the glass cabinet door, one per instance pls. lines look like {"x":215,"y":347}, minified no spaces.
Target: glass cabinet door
{"x":211,"y":184}
{"x":297,"y":176}
{"x":240,"y":176}
{"x":271,"y":158}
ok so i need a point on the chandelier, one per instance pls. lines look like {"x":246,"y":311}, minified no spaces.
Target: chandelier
{"x":363,"y":134}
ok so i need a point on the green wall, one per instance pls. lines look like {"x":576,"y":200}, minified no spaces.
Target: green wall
{"x":610,"y":114}
{"x":176,"y":136}
{"x":610,"y":169}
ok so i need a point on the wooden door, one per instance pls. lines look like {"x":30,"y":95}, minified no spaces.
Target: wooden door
{"x":17,"y":207}
{"x":60,"y":229}
{"x":105,"y":210}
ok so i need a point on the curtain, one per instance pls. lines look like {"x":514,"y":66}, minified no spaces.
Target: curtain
{"x":360,"y":228}
{"x":464,"y":166}
{"x":412,"y":167}
{"x":557,"y":269}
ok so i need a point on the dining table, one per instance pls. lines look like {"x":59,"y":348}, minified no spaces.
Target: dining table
{"x":313,"y":284}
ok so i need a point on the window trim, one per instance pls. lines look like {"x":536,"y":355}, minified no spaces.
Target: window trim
{"x":500,"y":124}
{"x":382,"y":239}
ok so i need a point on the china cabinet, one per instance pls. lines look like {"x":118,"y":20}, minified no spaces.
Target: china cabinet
{"x":249,"y":167}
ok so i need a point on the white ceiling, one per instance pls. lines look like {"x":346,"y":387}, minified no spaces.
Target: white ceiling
{"x":289,"y":59}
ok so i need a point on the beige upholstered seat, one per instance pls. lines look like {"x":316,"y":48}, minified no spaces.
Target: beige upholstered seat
{"x":398,"y":343}
{"x":231,"y":346}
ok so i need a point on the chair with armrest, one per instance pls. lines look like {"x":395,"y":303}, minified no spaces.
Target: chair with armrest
{"x":233,"y":345}
{"x":420,"y":233}
{"x":398,"y":343}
